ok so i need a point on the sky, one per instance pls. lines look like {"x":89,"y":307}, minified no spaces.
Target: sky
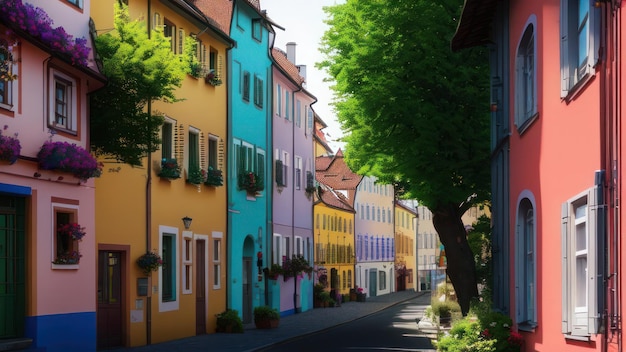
{"x":303,"y":21}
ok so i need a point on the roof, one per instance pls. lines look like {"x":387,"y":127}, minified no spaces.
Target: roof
{"x":333,"y":172}
{"x":218,"y":11}
{"x":288,"y":67}
{"x":474,"y":28}
{"x":335,"y":200}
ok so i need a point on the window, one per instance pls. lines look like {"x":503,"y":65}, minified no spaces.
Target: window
{"x":286,"y":104}
{"x":217,"y":260}
{"x":213,"y":152}
{"x":580,"y":42}
{"x":194,"y":150}
{"x":258,"y":91}
{"x":309,"y":115}
{"x":279,"y":100}
{"x":77,"y":3}
{"x":382,"y":280}
{"x":246,"y":86}
{"x":286,"y":247}
{"x":169,"y":31}
{"x":526,"y":80}
{"x":582,"y":243}
{"x":187,"y":264}
{"x":181,"y":41}
{"x":6,"y":84}
{"x":168,"y":281}
{"x":63,"y":102}
{"x":298,"y":172}
{"x":299,"y":246}
{"x":65,"y":248}
{"x":167,"y":138}
{"x":526,"y":265}
{"x":157,"y":21}
{"x":298,"y":113}
{"x":201,"y":54}
{"x":256,"y":29}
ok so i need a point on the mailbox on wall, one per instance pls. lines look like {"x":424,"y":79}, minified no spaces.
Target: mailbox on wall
{"x":142,"y":286}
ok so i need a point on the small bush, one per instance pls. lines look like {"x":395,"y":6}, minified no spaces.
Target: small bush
{"x":229,"y":321}
{"x":265,"y":312}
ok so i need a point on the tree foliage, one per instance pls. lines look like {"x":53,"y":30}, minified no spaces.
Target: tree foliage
{"x":414,"y":113}
{"x":413,"y":110}
{"x":140,"y":68}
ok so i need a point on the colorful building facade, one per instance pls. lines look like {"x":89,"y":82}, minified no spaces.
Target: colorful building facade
{"x":556,"y":106}
{"x":293,"y":180}
{"x":136,"y":307}
{"x":47,"y":288}
{"x":405,"y":223}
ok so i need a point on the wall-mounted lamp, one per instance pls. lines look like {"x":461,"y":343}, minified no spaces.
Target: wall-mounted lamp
{"x":260,"y":237}
{"x":187,"y":222}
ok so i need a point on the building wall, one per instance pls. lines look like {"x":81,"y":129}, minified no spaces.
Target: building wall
{"x":405,"y":231}
{"x":549,"y":165}
{"x":203,"y":111}
{"x":248,"y":216}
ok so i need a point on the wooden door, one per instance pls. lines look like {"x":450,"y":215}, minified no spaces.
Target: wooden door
{"x":12,"y":267}
{"x":373,"y":282}
{"x":247,"y":290}
{"x":200,"y":287}
{"x":109,"y":328}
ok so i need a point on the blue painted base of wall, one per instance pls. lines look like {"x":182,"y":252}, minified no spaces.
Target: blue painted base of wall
{"x":62,"y":332}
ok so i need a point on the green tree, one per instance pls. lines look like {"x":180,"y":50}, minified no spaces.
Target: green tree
{"x":414,"y":113}
{"x":141,"y":68}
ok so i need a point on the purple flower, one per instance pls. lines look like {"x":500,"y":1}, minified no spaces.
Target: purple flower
{"x":10,"y":147}
{"x":36,"y":22}
{"x":66,"y":157}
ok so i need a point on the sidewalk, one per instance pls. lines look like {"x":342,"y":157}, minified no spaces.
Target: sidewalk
{"x":290,"y":326}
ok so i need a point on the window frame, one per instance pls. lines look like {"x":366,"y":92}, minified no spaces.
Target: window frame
{"x":72,"y":88}
{"x":216,"y":256}
{"x":186,"y":274}
{"x":257,"y":30}
{"x":193,"y":149}
{"x":77,"y":3}
{"x":169,"y":305}
{"x":170,"y":31}
{"x":258,"y":92}
{"x":245,"y":94}
{"x":580,"y":324}
{"x":71,"y":209}
{"x":6,"y":94}
{"x":526,"y":108}
{"x":574,"y":71}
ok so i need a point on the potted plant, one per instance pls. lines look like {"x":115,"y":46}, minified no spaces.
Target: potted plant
{"x":150,"y":261}
{"x":360,"y":295}
{"x":9,"y":147}
{"x":444,"y":310}
{"x":169,"y":169}
{"x":251,"y":182}
{"x":212,"y":79}
{"x":67,"y":251}
{"x":196,"y":176}
{"x":266,"y":317}
{"x":310,"y":185}
{"x":71,"y":158}
{"x":67,"y":258}
{"x":274,"y":271}
{"x":318,"y":289}
{"x":214,"y":177}
{"x":229,"y":321}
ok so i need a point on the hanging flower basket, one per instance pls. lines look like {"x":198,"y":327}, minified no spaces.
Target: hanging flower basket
{"x":169,"y":169}
{"x":71,"y":158}
{"x":9,"y":147}
{"x":72,"y":230}
{"x":196,"y":176}
{"x":149,"y":262}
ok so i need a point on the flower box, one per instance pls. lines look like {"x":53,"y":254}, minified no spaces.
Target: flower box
{"x":251,"y":182}
{"x":71,"y":158}
{"x":214,"y":178}
{"x":196,"y":176}
{"x":9,"y":147}
{"x":169,"y":169}
{"x":212,"y":79}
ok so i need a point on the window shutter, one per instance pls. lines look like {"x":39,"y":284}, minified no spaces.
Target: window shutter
{"x":565,"y":277}
{"x":279,"y":173}
{"x":564,"y":49}
{"x":592,"y":272}
{"x":597,"y":247}
{"x":594,"y":36}
{"x":203,"y":152}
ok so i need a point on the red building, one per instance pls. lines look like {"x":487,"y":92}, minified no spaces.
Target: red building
{"x":556,"y":145}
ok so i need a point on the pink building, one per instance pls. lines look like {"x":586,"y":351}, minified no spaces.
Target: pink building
{"x":556,"y":144}
{"x":47,"y":283}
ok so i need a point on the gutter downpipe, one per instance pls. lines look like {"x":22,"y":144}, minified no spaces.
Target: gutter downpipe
{"x":149,"y":206}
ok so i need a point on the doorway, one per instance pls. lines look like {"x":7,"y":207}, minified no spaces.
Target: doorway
{"x":12,"y":266}
{"x":110,"y":323}
{"x":373,"y":282}
{"x":247,"y":290}
{"x":200,"y":287}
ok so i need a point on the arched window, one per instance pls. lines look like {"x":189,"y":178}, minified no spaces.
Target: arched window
{"x":526,"y":80}
{"x":525,"y":252}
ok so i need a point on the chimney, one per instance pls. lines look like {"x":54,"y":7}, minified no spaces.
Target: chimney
{"x":291,"y":52}
{"x":302,"y":71}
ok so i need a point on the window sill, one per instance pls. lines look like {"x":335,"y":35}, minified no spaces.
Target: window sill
{"x":577,"y":337}
{"x":527,"y":123}
{"x":528,"y":327}
{"x":65,"y":266}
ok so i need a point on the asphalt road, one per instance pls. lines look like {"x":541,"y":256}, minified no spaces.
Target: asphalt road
{"x":393,"y":329}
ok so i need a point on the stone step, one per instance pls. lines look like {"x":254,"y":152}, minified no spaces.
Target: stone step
{"x":15,"y":344}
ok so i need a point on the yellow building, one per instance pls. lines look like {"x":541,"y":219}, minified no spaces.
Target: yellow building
{"x":141,"y":209}
{"x":405,"y":260}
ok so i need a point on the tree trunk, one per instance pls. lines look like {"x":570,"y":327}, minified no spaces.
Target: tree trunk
{"x":461,"y":268}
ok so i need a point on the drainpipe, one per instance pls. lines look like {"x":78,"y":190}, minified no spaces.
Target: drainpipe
{"x":149,"y":208}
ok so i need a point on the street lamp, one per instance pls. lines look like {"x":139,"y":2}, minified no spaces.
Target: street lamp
{"x":187,"y":222}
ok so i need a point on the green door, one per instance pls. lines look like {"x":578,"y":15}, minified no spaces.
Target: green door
{"x":12,"y":272}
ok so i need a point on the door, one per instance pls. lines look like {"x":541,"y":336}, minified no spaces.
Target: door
{"x":109,"y":312}
{"x":247,"y":290}
{"x":373,"y":282}
{"x":200,"y":287}
{"x":12,"y":266}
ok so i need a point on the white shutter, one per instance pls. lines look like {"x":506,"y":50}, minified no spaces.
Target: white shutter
{"x":594,"y":36}
{"x":565,"y":275}
{"x":564,"y":49}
